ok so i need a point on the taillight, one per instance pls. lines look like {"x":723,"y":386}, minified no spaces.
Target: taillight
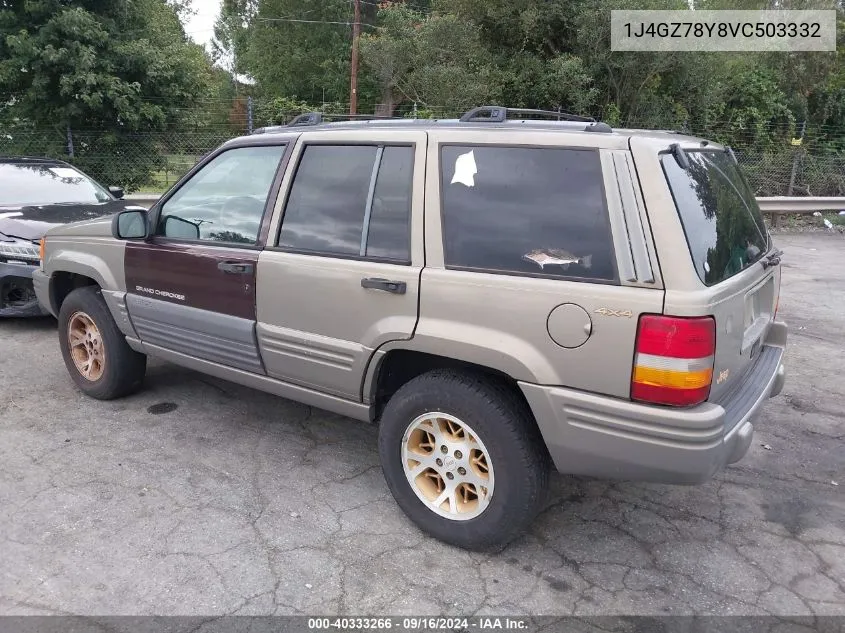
{"x":674,"y":357}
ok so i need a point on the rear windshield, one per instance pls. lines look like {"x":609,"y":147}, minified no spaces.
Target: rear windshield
{"x":722,"y":222}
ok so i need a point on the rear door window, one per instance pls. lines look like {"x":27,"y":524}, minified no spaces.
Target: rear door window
{"x":722,"y":222}
{"x":353,"y":201}
{"x":526,"y":211}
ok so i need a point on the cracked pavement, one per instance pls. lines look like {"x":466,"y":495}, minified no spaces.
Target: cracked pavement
{"x":201,"y":497}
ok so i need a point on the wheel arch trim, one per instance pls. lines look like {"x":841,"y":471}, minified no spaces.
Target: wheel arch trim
{"x":487,"y":358}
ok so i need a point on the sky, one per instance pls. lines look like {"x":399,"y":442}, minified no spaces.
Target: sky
{"x":200,"y":26}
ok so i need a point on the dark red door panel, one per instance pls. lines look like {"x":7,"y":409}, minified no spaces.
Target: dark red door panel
{"x":216,"y":278}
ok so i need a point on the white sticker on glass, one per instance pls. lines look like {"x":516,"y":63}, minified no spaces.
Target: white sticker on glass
{"x":465,"y":170}
{"x":65,"y":172}
{"x":706,"y":267}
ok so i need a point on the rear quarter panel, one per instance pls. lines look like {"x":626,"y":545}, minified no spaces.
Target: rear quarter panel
{"x":501,"y":321}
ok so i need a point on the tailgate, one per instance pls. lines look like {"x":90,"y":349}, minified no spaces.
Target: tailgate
{"x":734,"y":275}
{"x":743,"y":319}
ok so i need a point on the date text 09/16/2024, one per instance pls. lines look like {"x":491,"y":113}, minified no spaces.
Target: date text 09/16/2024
{"x":418,"y":623}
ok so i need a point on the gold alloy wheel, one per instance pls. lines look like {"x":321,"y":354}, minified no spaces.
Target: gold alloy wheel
{"x":448,"y":466}
{"x":86,"y":346}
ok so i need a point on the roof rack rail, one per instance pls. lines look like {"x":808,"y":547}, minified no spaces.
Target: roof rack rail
{"x":315,"y":118}
{"x":498,"y":114}
{"x":268,"y":128}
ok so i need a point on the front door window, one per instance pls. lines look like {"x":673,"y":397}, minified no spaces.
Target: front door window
{"x":224,"y":201}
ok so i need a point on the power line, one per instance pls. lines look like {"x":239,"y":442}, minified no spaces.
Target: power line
{"x":359,"y":23}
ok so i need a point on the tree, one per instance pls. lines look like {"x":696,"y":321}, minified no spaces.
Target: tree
{"x":292,"y":49}
{"x":231,"y":34}
{"x":432,"y":60}
{"x":119,"y":66}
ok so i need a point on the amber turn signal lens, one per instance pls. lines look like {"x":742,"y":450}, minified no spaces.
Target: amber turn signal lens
{"x":41,"y":248}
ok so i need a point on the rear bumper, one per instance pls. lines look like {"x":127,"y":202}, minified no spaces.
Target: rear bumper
{"x":598,"y":436}
{"x":17,"y":295}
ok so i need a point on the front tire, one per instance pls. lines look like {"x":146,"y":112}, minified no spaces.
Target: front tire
{"x":95,"y":351}
{"x":464,"y":459}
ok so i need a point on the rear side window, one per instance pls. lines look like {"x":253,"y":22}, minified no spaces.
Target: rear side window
{"x":351,"y":200}
{"x":722,"y":222}
{"x":528,"y":211}
{"x":388,"y":232}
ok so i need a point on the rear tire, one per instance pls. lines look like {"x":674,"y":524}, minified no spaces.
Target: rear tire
{"x":95,"y":351}
{"x":433,"y":419}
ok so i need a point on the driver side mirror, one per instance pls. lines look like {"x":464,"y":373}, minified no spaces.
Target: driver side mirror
{"x":117,"y":192}
{"x":132,"y":224}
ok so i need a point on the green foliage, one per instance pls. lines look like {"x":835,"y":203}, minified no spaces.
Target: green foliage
{"x":433,"y":60}
{"x":751,"y":111}
{"x":281,"y":110}
{"x":126,"y":66}
{"x":119,"y":65}
{"x":288,"y":50}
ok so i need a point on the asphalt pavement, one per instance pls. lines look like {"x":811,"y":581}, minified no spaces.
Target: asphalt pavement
{"x":201,"y":497}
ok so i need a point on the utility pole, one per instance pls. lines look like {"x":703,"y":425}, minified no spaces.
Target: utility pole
{"x":356,"y":32}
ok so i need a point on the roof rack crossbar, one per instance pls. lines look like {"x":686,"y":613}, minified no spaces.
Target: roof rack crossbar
{"x":499,"y":114}
{"x":306,"y":118}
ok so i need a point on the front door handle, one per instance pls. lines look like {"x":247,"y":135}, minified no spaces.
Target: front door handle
{"x":377,"y":283}
{"x":235,"y":268}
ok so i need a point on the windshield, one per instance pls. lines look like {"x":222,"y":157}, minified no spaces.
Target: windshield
{"x":23,"y":185}
{"x":722,"y":222}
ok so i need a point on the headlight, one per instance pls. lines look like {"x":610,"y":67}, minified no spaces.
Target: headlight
{"x":19,"y":249}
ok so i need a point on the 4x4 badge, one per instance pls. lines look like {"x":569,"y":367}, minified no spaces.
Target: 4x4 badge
{"x":617,"y":313}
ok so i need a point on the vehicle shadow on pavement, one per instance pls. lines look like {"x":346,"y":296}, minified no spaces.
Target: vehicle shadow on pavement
{"x":10,"y":326}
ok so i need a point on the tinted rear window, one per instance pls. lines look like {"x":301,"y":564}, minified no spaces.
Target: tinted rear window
{"x":722,"y":222}
{"x":336,"y":208}
{"x":529,"y":211}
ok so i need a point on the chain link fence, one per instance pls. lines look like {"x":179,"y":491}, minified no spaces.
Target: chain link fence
{"x":154,"y":161}
{"x":795,"y":173}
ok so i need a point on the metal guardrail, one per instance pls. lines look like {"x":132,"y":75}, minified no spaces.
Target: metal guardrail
{"x":778,"y":205}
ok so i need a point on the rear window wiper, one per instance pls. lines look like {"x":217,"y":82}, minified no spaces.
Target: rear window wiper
{"x":680,"y":156}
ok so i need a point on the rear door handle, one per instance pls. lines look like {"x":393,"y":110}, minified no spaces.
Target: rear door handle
{"x":235,"y":268}
{"x":377,"y":283}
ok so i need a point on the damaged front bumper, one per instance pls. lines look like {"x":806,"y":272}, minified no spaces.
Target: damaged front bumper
{"x":17,"y":294}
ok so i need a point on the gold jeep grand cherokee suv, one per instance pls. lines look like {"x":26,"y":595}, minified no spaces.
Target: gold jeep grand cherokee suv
{"x":499,"y":293}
